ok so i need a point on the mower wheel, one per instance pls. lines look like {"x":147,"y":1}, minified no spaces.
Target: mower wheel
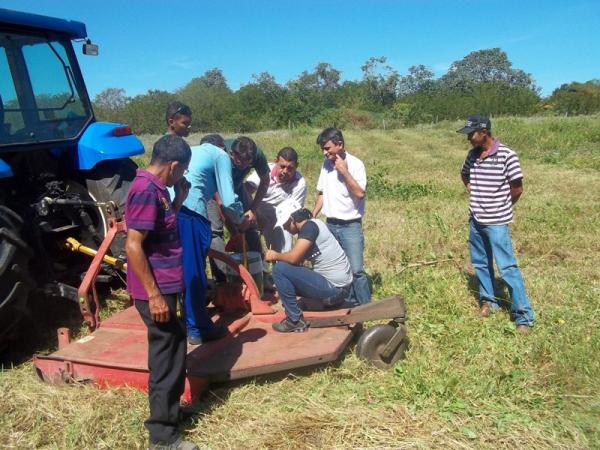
{"x":373,"y":341}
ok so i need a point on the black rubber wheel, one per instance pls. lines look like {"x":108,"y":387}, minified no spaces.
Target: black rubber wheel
{"x":110,"y":181}
{"x":15,"y":280}
{"x":373,"y":341}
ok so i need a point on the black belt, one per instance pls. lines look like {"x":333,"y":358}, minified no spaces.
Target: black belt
{"x":333,"y":221}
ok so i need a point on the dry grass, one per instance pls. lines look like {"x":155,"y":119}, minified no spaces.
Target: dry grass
{"x":466,"y":383}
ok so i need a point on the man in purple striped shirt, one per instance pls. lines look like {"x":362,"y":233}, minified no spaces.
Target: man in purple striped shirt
{"x":155,"y":281}
{"x":492,"y":175}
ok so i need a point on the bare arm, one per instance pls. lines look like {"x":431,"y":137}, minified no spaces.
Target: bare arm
{"x":318,"y":204}
{"x":138,"y":261}
{"x":260,"y":192}
{"x":182,"y":189}
{"x":294,"y":256}
{"x":516,"y":189}
{"x":466,"y":182}
{"x":342,"y":167}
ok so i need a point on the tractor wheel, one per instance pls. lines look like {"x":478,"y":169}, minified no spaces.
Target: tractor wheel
{"x":110,"y":181}
{"x":15,"y":281}
{"x":372,"y":342}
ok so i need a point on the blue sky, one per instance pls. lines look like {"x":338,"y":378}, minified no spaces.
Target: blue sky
{"x":163,"y":44}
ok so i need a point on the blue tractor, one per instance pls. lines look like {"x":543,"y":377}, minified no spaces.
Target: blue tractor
{"x":61,"y":172}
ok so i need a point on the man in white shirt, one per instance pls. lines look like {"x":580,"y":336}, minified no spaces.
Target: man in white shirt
{"x":341,"y":196}
{"x":285,"y":183}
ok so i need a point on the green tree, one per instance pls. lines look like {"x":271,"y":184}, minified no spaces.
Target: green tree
{"x":577,"y":98}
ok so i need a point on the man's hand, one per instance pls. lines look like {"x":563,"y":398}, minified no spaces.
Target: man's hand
{"x":244,"y":224}
{"x":159,"y":310}
{"x":270,"y":256}
{"x":251,"y":215}
{"x":341,"y":165}
{"x":182,"y":189}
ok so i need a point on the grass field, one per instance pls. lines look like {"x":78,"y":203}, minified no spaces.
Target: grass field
{"x":467,"y":382}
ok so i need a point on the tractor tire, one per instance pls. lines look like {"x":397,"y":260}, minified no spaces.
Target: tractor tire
{"x":15,"y":281}
{"x":372,"y":342}
{"x":110,"y":181}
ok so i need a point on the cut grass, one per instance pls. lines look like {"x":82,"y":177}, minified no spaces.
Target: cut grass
{"x":467,"y":382}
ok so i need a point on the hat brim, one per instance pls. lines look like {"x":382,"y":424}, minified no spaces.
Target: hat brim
{"x":281,"y":222}
{"x":467,"y":130}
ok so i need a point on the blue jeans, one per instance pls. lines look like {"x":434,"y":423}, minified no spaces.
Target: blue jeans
{"x":352,"y":240}
{"x":292,"y":281}
{"x":489,"y":242}
{"x":195,"y":235}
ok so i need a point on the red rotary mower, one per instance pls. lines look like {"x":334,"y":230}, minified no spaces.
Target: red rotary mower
{"x":115,"y":352}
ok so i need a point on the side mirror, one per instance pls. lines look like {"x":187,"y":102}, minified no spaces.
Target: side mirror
{"x":90,"y":49}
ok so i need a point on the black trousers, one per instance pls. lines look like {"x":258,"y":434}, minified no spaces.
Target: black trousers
{"x":166,"y":360}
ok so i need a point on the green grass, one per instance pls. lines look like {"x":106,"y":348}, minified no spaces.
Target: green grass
{"x":467,"y":382}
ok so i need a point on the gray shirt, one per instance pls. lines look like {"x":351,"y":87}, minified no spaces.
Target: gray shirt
{"x":327,"y":257}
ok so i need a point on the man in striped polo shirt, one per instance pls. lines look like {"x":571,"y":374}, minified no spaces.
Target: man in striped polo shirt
{"x":492,"y":175}
{"x":155,"y":281}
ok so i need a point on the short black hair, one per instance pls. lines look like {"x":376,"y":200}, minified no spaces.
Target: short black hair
{"x":244,"y":148}
{"x":330,"y":134}
{"x":214,"y":139}
{"x":177,"y":108}
{"x":170,"y":148}
{"x":289,"y":154}
{"x":301,"y":215}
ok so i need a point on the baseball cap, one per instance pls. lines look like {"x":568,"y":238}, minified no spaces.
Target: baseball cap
{"x":476,"y":122}
{"x":284,"y":210}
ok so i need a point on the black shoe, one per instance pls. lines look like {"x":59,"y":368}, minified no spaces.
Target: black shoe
{"x":179,"y":444}
{"x":287,"y":326}
{"x":218,"y":332}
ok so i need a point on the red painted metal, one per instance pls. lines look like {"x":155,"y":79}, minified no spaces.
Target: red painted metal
{"x":116,"y":353}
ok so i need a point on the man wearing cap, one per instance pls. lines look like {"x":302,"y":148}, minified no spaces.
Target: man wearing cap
{"x":492,"y":175}
{"x":329,"y":280}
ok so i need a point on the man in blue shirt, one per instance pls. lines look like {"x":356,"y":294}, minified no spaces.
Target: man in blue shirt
{"x":209,"y":172}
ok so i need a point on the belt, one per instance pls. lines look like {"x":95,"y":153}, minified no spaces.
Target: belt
{"x":333,"y":221}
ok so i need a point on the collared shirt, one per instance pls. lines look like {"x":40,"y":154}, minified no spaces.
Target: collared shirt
{"x":490,"y":201}
{"x":278,"y":192}
{"x":209,"y":172}
{"x":338,"y":201}
{"x":148,"y":208}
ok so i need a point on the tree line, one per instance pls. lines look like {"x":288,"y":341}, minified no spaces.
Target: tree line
{"x":482,"y":81}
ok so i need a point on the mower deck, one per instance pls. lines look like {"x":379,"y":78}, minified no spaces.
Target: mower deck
{"x":116,"y":353}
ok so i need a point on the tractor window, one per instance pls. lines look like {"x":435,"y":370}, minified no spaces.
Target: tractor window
{"x":9,"y":120}
{"x":55,"y":95}
{"x":42,"y":96}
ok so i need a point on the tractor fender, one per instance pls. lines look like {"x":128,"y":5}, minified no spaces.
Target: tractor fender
{"x":99,"y":143}
{"x":5,"y":170}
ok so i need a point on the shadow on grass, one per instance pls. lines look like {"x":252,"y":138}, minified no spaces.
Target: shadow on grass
{"x":500,"y":290}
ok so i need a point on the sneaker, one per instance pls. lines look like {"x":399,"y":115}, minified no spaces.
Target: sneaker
{"x":287,"y":326}
{"x":485,"y":310}
{"x":218,"y":332}
{"x":179,"y":444}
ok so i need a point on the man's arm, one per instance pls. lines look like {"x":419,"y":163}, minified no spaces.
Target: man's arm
{"x":263,"y":186}
{"x":182,"y":189}
{"x":341,"y":166}
{"x":318,"y":204}
{"x":294,"y":256}
{"x":466,"y":182}
{"x":229,"y":201}
{"x":516,"y":189}
{"x":138,"y":261}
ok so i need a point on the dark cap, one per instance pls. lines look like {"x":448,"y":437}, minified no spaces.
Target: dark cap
{"x":476,"y":122}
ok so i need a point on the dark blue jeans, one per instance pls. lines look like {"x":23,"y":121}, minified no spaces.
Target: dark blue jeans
{"x":293,"y":281}
{"x":195,"y":235}
{"x":489,"y":242}
{"x":352,"y":240}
